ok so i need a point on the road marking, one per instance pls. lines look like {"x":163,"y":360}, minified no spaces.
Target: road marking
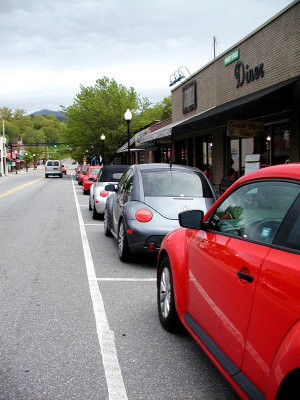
{"x":114,"y":379}
{"x":127,"y":279}
{"x":83,"y":205}
{"x":11,"y":191}
{"x":100,"y":224}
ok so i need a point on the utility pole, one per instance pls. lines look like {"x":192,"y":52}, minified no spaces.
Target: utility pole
{"x":3,"y":161}
{"x":214,"y":41}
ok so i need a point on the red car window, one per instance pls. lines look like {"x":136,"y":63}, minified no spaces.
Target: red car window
{"x":255,"y":211}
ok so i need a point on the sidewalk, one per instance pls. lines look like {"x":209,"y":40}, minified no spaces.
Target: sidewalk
{"x":22,"y":172}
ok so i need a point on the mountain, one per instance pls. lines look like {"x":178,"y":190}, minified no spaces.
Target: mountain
{"x":57,"y":114}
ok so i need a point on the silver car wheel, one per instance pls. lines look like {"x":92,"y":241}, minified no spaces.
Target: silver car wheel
{"x":105,"y":223}
{"x":167,"y":313}
{"x":165,"y":292}
{"x":121,"y":239}
{"x":124,"y":251}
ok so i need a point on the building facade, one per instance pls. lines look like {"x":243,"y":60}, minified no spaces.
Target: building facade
{"x":243,"y":106}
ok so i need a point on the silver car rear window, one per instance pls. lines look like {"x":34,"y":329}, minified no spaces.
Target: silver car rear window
{"x":172,"y":184}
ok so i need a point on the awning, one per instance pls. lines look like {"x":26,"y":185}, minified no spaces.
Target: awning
{"x":134,"y":138}
{"x":160,"y":133}
{"x":167,"y":130}
{"x":236,"y":103}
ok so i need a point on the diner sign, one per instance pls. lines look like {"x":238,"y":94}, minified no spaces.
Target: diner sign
{"x":244,"y":128}
{"x":232,"y":57}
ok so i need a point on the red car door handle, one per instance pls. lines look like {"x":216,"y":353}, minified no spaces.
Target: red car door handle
{"x":245,"y":277}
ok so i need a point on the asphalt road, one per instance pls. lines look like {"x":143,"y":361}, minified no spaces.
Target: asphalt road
{"x":77,"y":323}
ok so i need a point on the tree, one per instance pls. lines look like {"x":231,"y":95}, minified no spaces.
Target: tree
{"x":19,"y":113}
{"x":100,"y":110}
{"x":11,"y":130}
{"x":96,"y":110}
{"x":6,"y":113}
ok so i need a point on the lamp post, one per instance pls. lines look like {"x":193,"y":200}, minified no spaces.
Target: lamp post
{"x":128,"y":116}
{"x":26,"y":154}
{"x":102,"y":137}
{"x":33,"y":155}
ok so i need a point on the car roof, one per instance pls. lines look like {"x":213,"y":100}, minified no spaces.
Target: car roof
{"x":108,"y":170}
{"x":288,"y":171}
{"x":154,"y":166}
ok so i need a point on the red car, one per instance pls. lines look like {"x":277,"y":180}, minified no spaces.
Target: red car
{"x":89,"y":178}
{"x":232,"y":278}
{"x":82,"y":174}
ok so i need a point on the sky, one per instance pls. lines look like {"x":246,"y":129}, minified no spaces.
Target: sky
{"x":49,"y":48}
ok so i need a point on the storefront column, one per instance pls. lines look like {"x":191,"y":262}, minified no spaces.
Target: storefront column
{"x":295,"y":125}
{"x":218,"y":140}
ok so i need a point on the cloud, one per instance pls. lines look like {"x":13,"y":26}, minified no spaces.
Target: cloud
{"x":51,"y":45}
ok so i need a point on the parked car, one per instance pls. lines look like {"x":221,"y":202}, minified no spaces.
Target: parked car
{"x":89,"y":178}
{"x":77,"y":171}
{"x":53,"y":168}
{"x":146,"y":203}
{"x":232,"y":278}
{"x":82,"y":174}
{"x":109,"y":174}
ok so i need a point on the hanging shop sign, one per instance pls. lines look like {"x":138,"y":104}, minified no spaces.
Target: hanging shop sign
{"x":232,"y":57}
{"x":244,"y":128}
{"x":244,"y":74}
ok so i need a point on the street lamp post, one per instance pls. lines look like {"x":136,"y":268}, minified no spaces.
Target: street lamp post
{"x":102,"y":137}
{"x":128,"y":116}
{"x":26,"y":154}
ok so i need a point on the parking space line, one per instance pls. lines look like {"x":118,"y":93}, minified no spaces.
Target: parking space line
{"x":127,"y":279}
{"x":113,"y":375}
{"x":100,"y":224}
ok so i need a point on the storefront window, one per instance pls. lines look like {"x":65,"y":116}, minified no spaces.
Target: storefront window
{"x":272,"y":146}
{"x":280,"y":143}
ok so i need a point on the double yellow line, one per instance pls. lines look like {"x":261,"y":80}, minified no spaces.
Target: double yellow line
{"x":20,"y":187}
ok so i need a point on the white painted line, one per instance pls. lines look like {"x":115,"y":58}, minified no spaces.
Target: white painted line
{"x":100,"y":224}
{"x":127,"y":279}
{"x":114,"y":379}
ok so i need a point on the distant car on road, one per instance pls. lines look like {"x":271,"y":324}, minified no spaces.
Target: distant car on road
{"x":145,"y":206}
{"x":109,"y":174}
{"x":232,"y":278}
{"x":53,"y":168}
{"x":89,"y":178}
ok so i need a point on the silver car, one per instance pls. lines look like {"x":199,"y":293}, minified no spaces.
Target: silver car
{"x":109,"y":174}
{"x":144,"y":207}
{"x":53,"y":168}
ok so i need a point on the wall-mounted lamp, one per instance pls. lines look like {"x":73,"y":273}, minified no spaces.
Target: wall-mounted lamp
{"x":178,"y":75}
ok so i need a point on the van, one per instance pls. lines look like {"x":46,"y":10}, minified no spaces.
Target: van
{"x":53,"y":167}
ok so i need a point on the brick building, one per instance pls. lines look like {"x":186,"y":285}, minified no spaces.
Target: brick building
{"x":244,"y":102}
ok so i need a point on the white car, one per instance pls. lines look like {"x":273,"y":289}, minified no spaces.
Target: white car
{"x":53,"y":168}
{"x":109,"y":174}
